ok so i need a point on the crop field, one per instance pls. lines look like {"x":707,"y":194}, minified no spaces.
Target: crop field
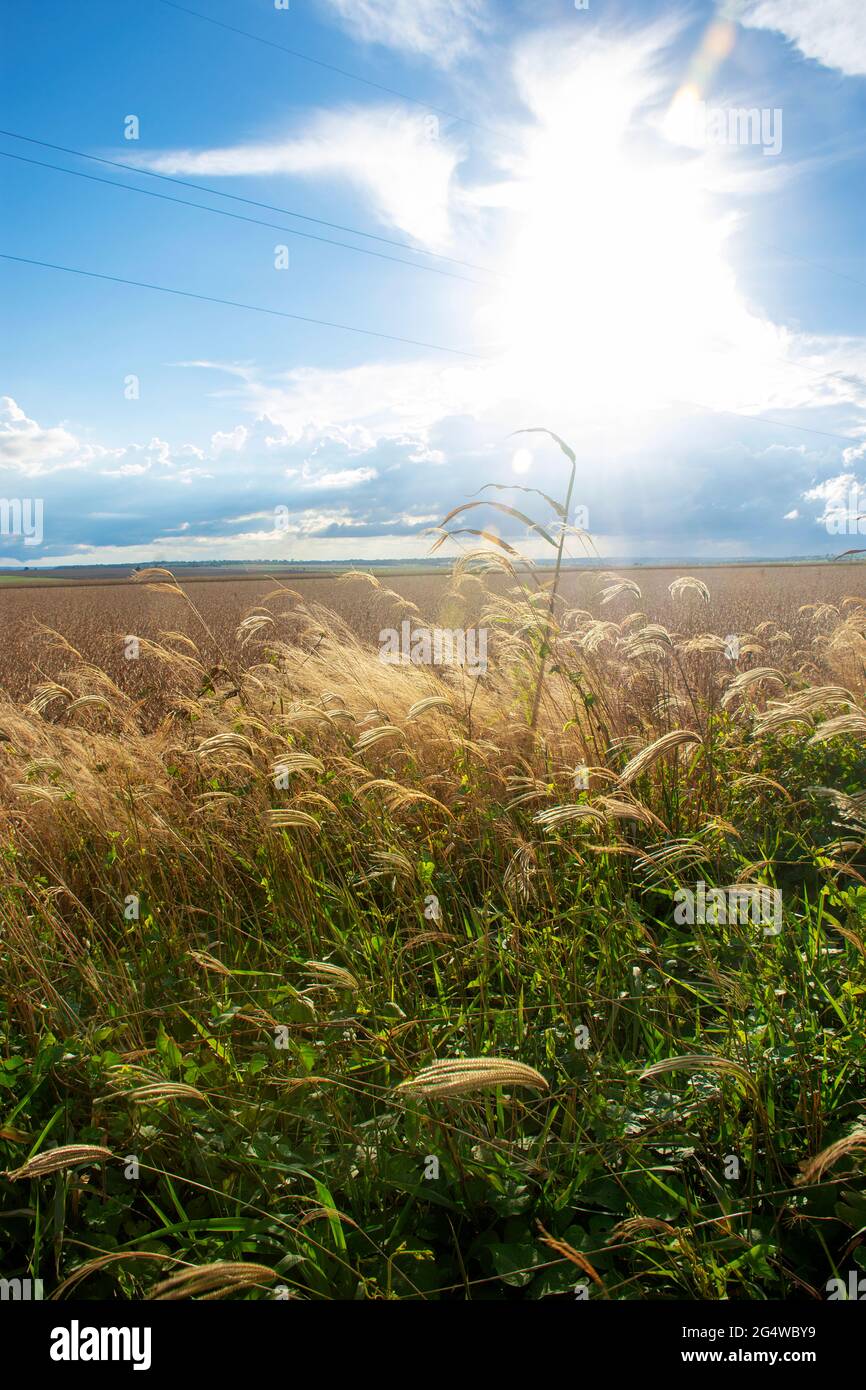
{"x":95,"y":616}
{"x":327,"y":977}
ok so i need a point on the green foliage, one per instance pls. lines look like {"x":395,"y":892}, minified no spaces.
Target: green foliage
{"x":303,"y":1156}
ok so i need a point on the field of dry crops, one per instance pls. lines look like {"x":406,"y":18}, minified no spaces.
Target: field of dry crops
{"x":327,"y":975}
{"x":94,"y":618}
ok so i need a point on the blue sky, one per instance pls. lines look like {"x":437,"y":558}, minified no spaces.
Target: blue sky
{"x":630,"y":262}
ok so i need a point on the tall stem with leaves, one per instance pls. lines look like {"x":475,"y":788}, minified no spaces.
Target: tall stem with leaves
{"x":562,"y":511}
{"x":554,"y":586}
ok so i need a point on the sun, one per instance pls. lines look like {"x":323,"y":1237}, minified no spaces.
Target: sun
{"x":618,"y":295}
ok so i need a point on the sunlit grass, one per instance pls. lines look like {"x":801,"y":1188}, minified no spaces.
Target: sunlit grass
{"x":239,"y":988}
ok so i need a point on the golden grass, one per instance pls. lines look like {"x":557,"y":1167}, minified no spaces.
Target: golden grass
{"x":278,"y":783}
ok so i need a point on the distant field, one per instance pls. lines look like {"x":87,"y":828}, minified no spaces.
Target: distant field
{"x":94,"y":615}
{"x":14,"y":581}
{"x":121,"y":574}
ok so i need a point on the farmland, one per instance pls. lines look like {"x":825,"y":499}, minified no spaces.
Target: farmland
{"x":329,"y":977}
{"x":94,"y":615}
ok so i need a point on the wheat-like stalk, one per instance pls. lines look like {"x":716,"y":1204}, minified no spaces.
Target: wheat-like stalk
{"x":213,"y":1280}
{"x":638,"y":1225}
{"x":163,"y":1090}
{"x":288,"y":818}
{"x":688,"y":584}
{"x":57,"y":1160}
{"x":677,"y":738}
{"x":224,"y":743}
{"x":853,"y":724}
{"x":700,"y":1062}
{"x":297,"y":762}
{"x":464,"y":1074}
{"x":746,"y":679}
{"x":814,"y":1169}
{"x":560,"y":815}
{"x":429,"y":702}
{"x":621,"y":586}
{"x":575,"y":1257}
{"x":374,"y":736}
{"x":329,"y":974}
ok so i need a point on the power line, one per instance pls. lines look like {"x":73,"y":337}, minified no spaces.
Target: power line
{"x":832,"y":375}
{"x":452,"y":115}
{"x":328,"y":241}
{"x":251,"y":202}
{"x":339,"y":226}
{"x":329,"y":67}
{"x":836,"y":374}
{"x":236,"y":304}
{"x":805,"y":260}
{"x":240,"y":217}
{"x":780,"y":424}
{"x":373,"y":333}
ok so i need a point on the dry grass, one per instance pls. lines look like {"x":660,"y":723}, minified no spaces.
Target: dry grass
{"x":240,"y":835}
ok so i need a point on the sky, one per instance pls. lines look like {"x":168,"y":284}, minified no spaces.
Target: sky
{"x":639,"y":225}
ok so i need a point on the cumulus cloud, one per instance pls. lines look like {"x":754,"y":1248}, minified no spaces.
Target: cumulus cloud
{"x":844,"y":503}
{"x":31,"y":450}
{"x":833,"y":32}
{"x":702,"y":485}
{"x":125,"y":506}
{"x":229,"y":440}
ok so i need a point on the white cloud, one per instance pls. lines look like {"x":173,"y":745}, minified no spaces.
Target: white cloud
{"x":400,"y":161}
{"x":843,"y":496}
{"x":358,"y":405}
{"x":444,"y":30}
{"x":29,"y":449}
{"x":357,"y":497}
{"x":231,"y":440}
{"x":137,"y":459}
{"x":343,"y":478}
{"x":831,"y":31}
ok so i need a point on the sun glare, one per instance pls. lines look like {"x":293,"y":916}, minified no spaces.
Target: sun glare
{"x":618,"y":295}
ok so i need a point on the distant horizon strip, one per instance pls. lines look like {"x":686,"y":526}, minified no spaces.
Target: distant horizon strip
{"x":415,"y":562}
